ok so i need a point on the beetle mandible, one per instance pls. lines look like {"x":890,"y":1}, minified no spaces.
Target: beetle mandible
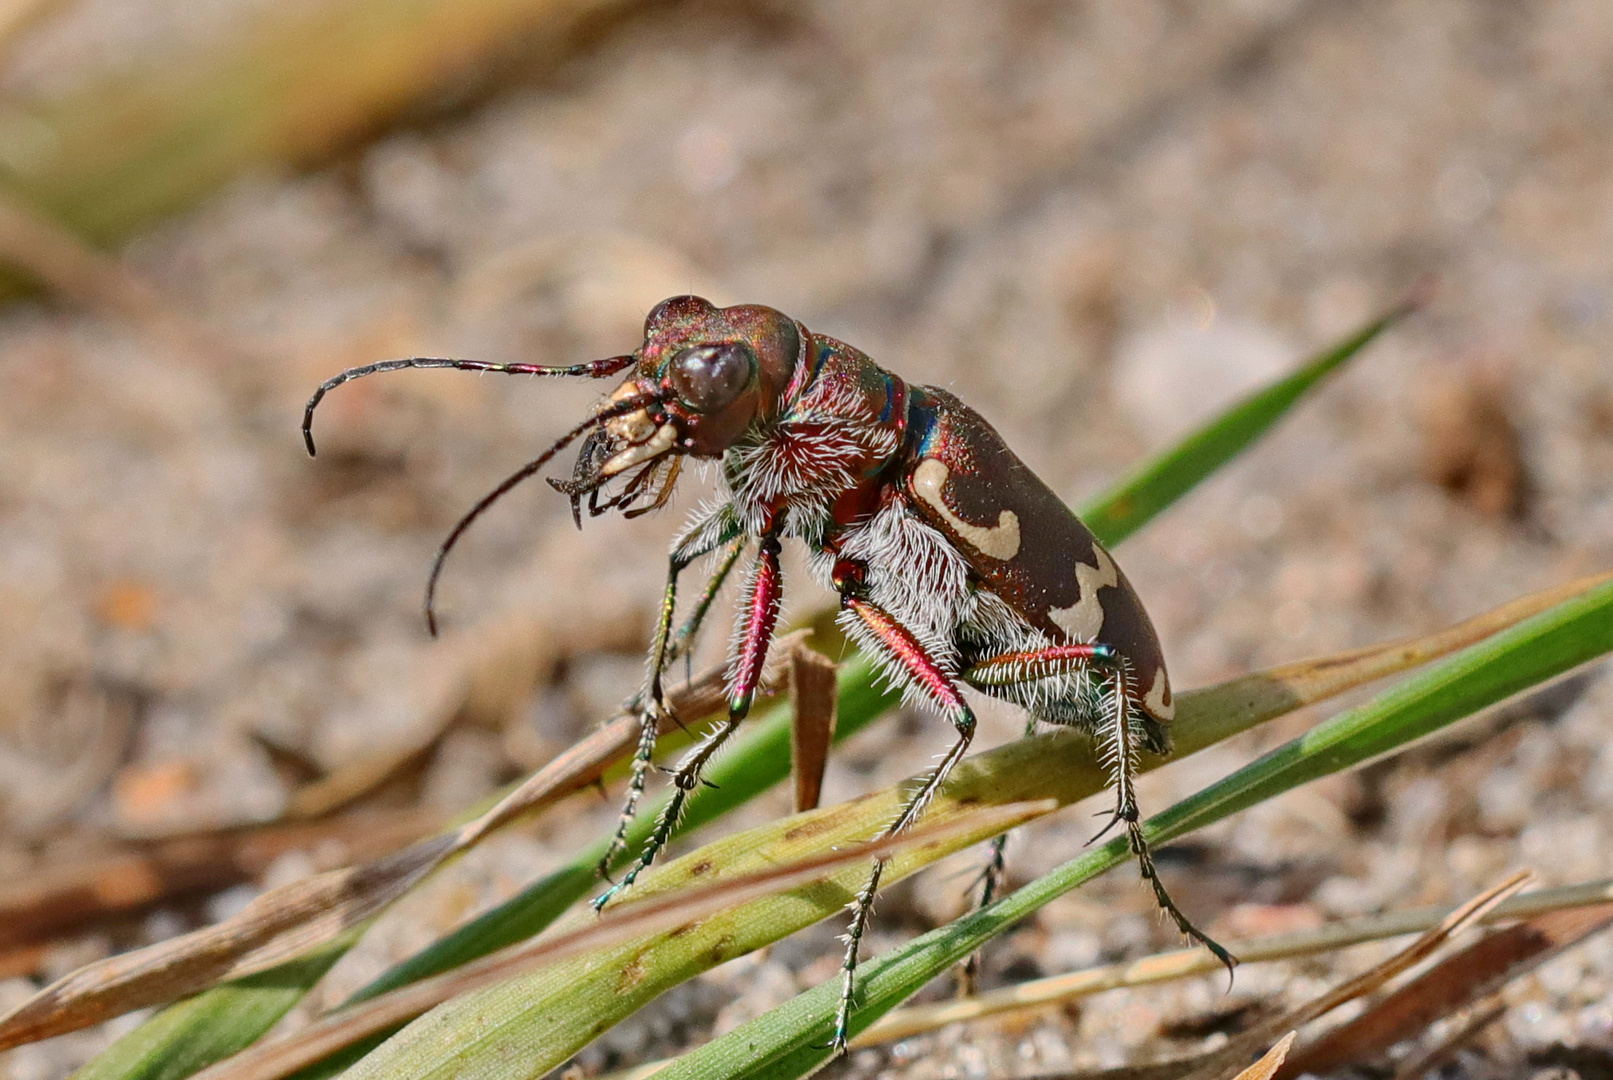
{"x":955,"y":564}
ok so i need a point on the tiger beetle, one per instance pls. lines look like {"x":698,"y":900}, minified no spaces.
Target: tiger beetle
{"x":954,"y":563}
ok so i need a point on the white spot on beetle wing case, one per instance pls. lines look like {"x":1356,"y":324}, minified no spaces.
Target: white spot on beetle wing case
{"x":1000,"y":541}
{"x":1155,"y":699}
{"x":1083,"y":620}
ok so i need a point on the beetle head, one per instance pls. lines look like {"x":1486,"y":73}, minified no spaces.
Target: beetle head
{"x":712,"y":374}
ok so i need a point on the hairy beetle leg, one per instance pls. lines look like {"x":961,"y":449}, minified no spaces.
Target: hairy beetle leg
{"x":899,"y":644}
{"x":760,"y":619}
{"x":1120,"y":755}
{"x":651,"y":701}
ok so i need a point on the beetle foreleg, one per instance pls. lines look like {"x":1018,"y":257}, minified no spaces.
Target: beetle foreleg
{"x":901,"y":648}
{"x":761,"y":616}
{"x":682,"y":643}
{"x":699,"y":540}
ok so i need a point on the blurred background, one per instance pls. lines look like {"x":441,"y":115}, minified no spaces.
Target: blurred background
{"x":1097,"y":222}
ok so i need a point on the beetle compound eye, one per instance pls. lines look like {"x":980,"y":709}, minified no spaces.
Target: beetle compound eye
{"x":708,"y":377}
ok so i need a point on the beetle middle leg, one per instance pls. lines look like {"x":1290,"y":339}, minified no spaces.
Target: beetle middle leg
{"x":745,"y":675}
{"x":1121,"y":730}
{"x":901,"y":648}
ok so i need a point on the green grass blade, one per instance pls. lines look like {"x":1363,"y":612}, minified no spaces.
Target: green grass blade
{"x":223,"y":1023}
{"x":1134,"y":501}
{"x":786,"y":1043}
{"x":198,"y":1031}
{"x":520,"y":1029}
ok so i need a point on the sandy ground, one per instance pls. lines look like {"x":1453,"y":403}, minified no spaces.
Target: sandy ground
{"x":1095,"y":222}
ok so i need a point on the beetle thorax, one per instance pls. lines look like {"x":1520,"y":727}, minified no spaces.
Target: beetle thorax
{"x":833,"y":438}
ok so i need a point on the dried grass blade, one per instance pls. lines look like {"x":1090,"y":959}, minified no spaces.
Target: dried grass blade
{"x":275,"y":926}
{"x":58,"y":896}
{"x":1221,"y":1063}
{"x":1305,"y":682}
{"x":815,"y":696}
{"x":1452,"y":984}
{"x":290,"y":920}
{"x":1185,"y":963}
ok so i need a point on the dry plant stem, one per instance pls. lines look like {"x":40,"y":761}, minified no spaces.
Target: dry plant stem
{"x":1186,"y":963}
{"x":55,"y":898}
{"x":621,"y":923}
{"x":1228,"y":1060}
{"x":290,"y":920}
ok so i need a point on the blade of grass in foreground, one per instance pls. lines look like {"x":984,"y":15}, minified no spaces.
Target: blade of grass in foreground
{"x":787,"y":1042}
{"x":520,"y":1029}
{"x":1214,"y":713}
{"x":169,"y":1047}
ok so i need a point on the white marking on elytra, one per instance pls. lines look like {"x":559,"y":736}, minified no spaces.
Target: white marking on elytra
{"x":1083,"y":620}
{"x":1155,"y":699}
{"x":1000,"y":541}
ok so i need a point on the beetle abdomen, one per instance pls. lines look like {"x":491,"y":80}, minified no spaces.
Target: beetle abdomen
{"x":1023,"y":543}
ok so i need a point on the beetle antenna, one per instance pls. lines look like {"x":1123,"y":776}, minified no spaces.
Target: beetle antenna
{"x":620,"y":408}
{"x":594,"y":369}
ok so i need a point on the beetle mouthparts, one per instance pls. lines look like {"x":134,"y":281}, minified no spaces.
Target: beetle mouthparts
{"x":652,"y":447}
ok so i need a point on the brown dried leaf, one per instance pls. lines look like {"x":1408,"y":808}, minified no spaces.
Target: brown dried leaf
{"x":1452,"y":984}
{"x":815,"y":694}
{"x":1271,"y":1061}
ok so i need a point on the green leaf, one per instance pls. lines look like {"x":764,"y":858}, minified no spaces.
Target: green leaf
{"x":220,"y":1022}
{"x":194,"y":1033}
{"x":1133,"y":502}
{"x":786,"y":1043}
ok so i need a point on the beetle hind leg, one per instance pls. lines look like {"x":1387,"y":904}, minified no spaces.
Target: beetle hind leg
{"x":1120,"y":731}
{"x":1122,"y":760}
